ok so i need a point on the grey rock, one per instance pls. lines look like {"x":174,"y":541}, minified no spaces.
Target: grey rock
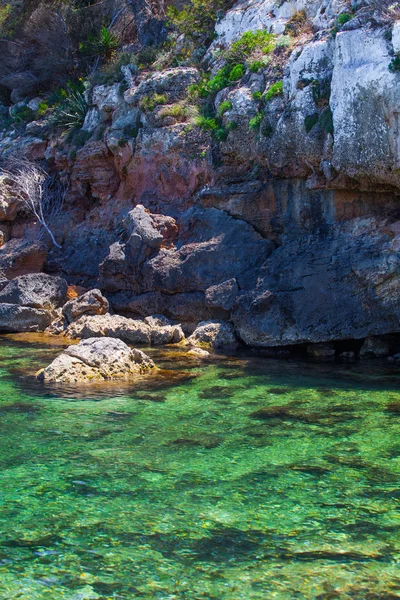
{"x":95,"y":360}
{"x":214,"y":334}
{"x":173,"y":83}
{"x":375,"y":347}
{"x":90,"y":303}
{"x":342,"y":285}
{"x":21,"y":319}
{"x":222,"y":295}
{"x":163,"y":331}
{"x":36,"y":290}
{"x":115,"y":326}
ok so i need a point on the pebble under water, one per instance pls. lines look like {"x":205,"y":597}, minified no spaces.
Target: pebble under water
{"x":239,"y":478}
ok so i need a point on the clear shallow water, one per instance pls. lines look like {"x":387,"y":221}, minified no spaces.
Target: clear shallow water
{"x":241,"y":479}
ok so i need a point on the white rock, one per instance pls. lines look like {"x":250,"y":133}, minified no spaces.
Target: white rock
{"x":396,"y":37}
{"x":106,"y":97}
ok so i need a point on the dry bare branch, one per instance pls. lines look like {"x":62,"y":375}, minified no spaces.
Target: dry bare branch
{"x":40,"y":194}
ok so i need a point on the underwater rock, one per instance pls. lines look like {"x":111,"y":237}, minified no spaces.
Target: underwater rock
{"x":215,"y":334}
{"x":94,"y":360}
{"x":199,"y":353}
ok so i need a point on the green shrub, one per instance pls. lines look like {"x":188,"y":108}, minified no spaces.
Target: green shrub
{"x":222,"y":79}
{"x":256,"y":121}
{"x":297,"y":23}
{"x":148,"y":103}
{"x":394,"y":66}
{"x":310,"y":121}
{"x":197,"y":19}
{"x":344,"y":18}
{"x":224,"y":107}
{"x":42,"y":109}
{"x":283,"y":41}
{"x":104,"y":44}
{"x":250,"y":42}
{"x":257,"y":96}
{"x":71,"y":113}
{"x":22,"y":114}
{"x":276,"y":89}
{"x":236,"y":73}
{"x":207,"y":123}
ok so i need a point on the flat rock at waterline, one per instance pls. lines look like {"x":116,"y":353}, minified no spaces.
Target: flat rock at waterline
{"x":97,"y":359}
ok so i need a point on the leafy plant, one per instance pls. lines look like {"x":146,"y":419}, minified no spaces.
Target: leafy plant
{"x":148,"y":103}
{"x":394,"y":66}
{"x":248,"y":43}
{"x":196,"y":20}
{"x":71,"y":113}
{"x":276,"y":89}
{"x":222,"y":79}
{"x":256,"y":121}
{"x":22,"y":114}
{"x":224,"y":107}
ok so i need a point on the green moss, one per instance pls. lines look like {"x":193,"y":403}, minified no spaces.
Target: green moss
{"x":276,"y":89}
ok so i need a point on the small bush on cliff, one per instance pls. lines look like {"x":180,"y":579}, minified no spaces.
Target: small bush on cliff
{"x":222,"y":79}
{"x":394,"y":66}
{"x":148,"y":103}
{"x":250,"y":42}
{"x":276,"y":89}
{"x":71,"y":113}
{"x":197,"y":18}
{"x":256,"y":121}
{"x":298,"y":24}
{"x":224,"y":107}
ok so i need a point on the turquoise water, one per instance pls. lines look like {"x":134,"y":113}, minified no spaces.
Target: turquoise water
{"x":242,"y":478}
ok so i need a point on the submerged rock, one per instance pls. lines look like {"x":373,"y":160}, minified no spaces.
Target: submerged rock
{"x":36,"y":290}
{"x":215,"y":334}
{"x":96,"y":360}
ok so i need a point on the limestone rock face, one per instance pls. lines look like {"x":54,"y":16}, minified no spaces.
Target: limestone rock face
{"x":171,"y":82}
{"x":222,"y":295}
{"x":115,"y":326}
{"x":340,"y":285}
{"x":214,"y":334}
{"x":163,"y":331}
{"x":95,"y":360}
{"x":36,"y":290}
{"x":365,"y":104}
{"x":90,"y":303}
{"x":21,"y":319}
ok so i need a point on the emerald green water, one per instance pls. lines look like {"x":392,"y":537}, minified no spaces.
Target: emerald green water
{"x":239,"y":479}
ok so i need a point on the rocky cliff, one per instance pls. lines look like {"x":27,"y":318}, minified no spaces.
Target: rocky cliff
{"x":277,"y":210}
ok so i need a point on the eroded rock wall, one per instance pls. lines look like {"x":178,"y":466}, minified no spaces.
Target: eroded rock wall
{"x":291,"y":232}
